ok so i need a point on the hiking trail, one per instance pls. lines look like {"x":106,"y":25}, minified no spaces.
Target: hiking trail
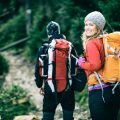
{"x":21,"y":73}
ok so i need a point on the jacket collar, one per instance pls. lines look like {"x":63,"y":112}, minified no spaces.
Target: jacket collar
{"x":58,"y":36}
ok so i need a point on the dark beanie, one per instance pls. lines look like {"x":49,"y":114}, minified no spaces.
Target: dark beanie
{"x":53,"y":28}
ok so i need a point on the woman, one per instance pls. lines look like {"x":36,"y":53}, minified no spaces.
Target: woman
{"x":102,"y":103}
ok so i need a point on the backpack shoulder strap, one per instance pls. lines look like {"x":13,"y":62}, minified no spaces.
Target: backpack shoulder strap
{"x":105,"y":45}
{"x":43,"y":49}
{"x":74,"y":52}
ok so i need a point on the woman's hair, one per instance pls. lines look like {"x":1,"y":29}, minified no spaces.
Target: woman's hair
{"x":85,"y":38}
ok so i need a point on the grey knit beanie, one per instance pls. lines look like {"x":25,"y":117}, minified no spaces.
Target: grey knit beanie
{"x":97,"y":18}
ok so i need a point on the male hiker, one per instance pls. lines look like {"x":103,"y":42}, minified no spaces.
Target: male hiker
{"x":54,"y":69}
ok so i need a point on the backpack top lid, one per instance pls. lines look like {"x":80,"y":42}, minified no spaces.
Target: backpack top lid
{"x":115,"y":36}
{"x":53,"y":28}
{"x":62,"y":44}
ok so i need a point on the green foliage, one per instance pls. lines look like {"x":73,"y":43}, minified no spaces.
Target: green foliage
{"x":110,"y":9}
{"x":11,"y":6}
{"x":69,"y":14}
{"x":82,"y":98}
{"x":4,"y":5}
{"x":38,"y":35}
{"x":119,"y":115}
{"x":13,"y":30}
{"x":9,"y":105}
{"x":4,"y":67}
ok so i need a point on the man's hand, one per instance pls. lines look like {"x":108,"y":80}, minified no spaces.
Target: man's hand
{"x":41,"y":91}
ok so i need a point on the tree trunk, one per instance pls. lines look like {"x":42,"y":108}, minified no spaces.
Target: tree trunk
{"x":28,"y":16}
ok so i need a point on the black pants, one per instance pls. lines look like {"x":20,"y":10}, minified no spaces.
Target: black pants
{"x":107,"y":110}
{"x":51,"y":100}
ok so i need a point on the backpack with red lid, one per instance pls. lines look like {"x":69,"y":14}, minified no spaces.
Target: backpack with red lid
{"x":58,"y":66}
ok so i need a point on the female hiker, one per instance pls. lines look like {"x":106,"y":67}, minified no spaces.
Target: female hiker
{"x":102,"y":103}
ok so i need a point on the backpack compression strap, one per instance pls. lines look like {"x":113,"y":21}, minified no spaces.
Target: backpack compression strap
{"x":43,"y":54}
{"x":69,"y":64}
{"x":50,"y":64}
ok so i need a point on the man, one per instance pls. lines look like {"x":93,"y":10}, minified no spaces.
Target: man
{"x":52,"y":91}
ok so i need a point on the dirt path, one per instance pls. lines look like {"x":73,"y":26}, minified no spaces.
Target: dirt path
{"x":22,"y":73}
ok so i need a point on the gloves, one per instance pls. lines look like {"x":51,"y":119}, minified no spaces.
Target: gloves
{"x":80,"y":61}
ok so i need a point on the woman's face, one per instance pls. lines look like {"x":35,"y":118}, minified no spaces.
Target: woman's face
{"x":90,"y":28}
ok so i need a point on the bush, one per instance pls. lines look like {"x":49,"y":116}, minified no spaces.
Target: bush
{"x":13,"y":30}
{"x":4,"y":67}
{"x":82,"y":98}
{"x":10,"y":104}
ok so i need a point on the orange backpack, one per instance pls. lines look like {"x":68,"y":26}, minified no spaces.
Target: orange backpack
{"x":111,"y":70}
{"x":110,"y":73}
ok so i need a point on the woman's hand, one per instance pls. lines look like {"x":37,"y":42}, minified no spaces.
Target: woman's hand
{"x":80,"y":61}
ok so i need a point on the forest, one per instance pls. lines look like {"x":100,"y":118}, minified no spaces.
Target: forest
{"x":24,"y":22}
